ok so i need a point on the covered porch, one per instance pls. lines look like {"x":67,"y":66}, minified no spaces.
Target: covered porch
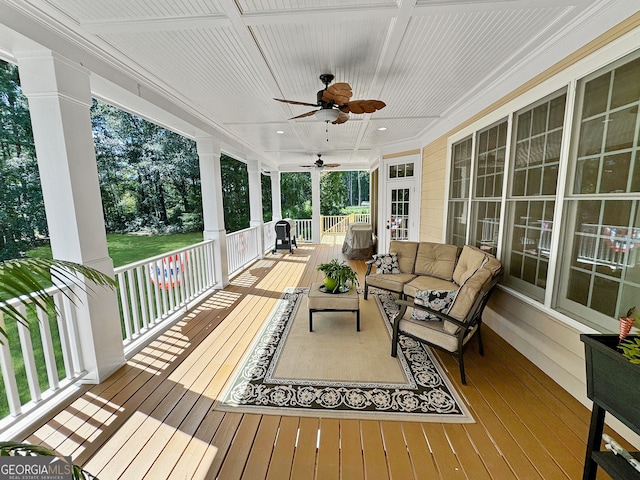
{"x":153,"y":417}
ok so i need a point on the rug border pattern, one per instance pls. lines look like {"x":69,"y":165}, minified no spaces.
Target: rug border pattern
{"x":427,"y":396}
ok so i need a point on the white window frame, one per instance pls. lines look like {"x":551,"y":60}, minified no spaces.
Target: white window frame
{"x":567,"y":78}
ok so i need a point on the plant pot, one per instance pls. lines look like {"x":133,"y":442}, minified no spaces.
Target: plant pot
{"x":330,"y":283}
{"x":612,"y":381}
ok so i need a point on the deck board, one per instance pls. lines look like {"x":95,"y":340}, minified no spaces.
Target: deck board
{"x":154,"y":417}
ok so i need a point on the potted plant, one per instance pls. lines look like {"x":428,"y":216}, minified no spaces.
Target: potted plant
{"x":613,"y":371}
{"x":339,"y":277}
{"x":630,"y":348}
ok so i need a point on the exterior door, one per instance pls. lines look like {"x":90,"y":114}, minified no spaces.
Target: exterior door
{"x":401,"y":212}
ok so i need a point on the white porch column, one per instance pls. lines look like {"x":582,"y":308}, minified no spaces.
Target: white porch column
{"x":255,"y":202}
{"x":315,"y":205}
{"x":59,"y":100}
{"x":276,"y":198}
{"x":212,"y":206}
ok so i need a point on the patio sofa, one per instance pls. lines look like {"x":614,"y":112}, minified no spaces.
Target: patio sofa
{"x":412,"y":266}
{"x":449,"y":286}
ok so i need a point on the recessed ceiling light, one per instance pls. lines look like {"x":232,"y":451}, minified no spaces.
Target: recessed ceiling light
{"x":382,"y":129}
{"x":279,"y":132}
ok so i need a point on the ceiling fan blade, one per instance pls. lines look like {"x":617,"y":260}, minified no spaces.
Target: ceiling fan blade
{"x":331,"y":165}
{"x":363,"y":106}
{"x":294,"y":102}
{"x":308,"y":114}
{"x":339,"y":93}
{"x":342,"y":117}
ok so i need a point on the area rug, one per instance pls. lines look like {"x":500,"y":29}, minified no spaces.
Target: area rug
{"x":337,"y":372}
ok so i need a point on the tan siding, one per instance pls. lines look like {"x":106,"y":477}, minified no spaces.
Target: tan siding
{"x":401,"y":154}
{"x":433,"y":181}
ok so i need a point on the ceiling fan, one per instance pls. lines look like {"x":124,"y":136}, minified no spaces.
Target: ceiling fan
{"x":319,"y":163}
{"x":334,"y":102}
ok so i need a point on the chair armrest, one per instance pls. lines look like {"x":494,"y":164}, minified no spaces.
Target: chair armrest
{"x":440,"y":315}
{"x":369,"y":264}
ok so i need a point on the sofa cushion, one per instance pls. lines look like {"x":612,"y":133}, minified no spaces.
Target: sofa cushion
{"x":386,"y":263}
{"x":471,"y":259}
{"x":466,"y":297}
{"x":392,"y":281}
{"x":424,"y":282}
{"x":437,"y":300}
{"x":436,"y":260}
{"x":433,"y":333}
{"x":406,"y":254}
{"x":429,"y":331}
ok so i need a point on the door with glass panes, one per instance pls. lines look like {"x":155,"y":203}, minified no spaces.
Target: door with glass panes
{"x":400,"y":218}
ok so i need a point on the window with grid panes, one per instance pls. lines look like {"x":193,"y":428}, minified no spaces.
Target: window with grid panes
{"x":601,"y":279}
{"x":534,"y":177}
{"x":401,"y":170}
{"x":459,"y":191}
{"x":491,"y":146}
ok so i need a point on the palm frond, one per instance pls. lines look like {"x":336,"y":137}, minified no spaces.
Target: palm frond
{"x":29,"y":279}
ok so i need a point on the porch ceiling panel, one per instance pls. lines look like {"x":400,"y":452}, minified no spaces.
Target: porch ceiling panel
{"x":83,"y":11}
{"x":221,"y":62}
{"x":299,"y":53}
{"x":394,"y":127}
{"x":209,"y":68}
{"x":444,"y":57}
{"x":256,"y":6}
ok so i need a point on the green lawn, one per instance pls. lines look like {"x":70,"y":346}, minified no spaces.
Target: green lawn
{"x":125,"y":249}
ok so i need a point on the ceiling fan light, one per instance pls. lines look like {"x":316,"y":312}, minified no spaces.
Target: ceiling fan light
{"x":327,"y":115}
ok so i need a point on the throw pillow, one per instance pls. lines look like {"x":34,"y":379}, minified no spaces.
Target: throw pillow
{"x":438,"y":300}
{"x":386,"y":263}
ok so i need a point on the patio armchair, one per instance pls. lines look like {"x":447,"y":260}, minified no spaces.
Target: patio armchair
{"x":447,"y":320}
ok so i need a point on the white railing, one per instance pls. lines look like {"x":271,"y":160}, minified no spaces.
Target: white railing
{"x":340,"y":223}
{"x":614,"y":246}
{"x":242,"y":248}
{"x":269,"y":235}
{"x":153,"y":290}
{"x":304,"y":230}
{"x":38,"y":362}
{"x":335,"y":223}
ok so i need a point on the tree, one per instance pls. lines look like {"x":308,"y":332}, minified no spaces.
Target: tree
{"x":149,"y":176}
{"x":235,"y":193}
{"x":333,"y":192}
{"x":267,"y":213}
{"x":22,"y":218}
{"x":295,"y":189}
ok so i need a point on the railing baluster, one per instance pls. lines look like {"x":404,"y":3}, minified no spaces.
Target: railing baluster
{"x":74,"y":340}
{"x":124,"y":304}
{"x":65,"y":342}
{"x":141,"y":295}
{"x":162,"y":285}
{"x":184,"y":276}
{"x":150,"y":294}
{"x":9,"y":375}
{"x":133,"y":300}
{"x":47,"y":348}
{"x":28,"y":358}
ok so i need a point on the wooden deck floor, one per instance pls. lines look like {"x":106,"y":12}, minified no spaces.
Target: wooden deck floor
{"x":153,"y":419}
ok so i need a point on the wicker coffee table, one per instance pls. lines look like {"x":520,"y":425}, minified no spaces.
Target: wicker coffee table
{"x":320,"y":301}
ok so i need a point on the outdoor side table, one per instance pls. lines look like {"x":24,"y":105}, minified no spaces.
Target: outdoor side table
{"x":320,"y":301}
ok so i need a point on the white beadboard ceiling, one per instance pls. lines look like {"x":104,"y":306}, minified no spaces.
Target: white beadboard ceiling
{"x":225,"y":60}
